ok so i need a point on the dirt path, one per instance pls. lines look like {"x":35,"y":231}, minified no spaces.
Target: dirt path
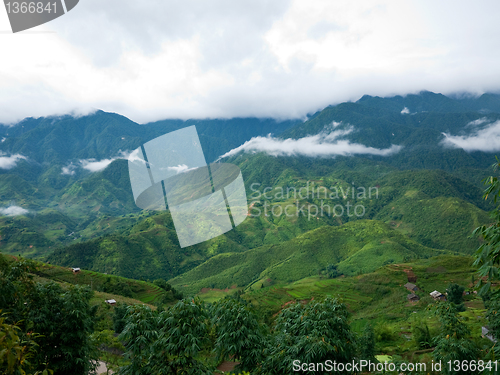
{"x":102,"y":368}
{"x":227,"y":366}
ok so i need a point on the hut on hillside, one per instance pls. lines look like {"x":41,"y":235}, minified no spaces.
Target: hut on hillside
{"x":438,"y":296}
{"x":412,"y":297}
{"x":411,"y":287}
{"x":485,"y":332}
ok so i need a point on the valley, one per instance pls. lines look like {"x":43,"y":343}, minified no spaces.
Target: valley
{"x":344,"y":205}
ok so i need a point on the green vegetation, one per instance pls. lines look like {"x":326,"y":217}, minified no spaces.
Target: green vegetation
{"x":60,"y":319}
{"x":357,"y":247}
{"x":304,"y":286}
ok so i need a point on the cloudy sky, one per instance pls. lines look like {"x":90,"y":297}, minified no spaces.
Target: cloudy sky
{"x":154,"y":59}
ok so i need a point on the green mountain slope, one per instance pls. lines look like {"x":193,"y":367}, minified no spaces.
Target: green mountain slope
{"x":435,"y":209}
{"x":426,"y":193}
{"x":372,"y":242}
{"x":147,"y":250}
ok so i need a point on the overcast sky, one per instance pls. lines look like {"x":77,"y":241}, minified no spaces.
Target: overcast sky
{"x":155,"y":59}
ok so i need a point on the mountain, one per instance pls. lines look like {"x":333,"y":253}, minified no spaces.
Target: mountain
{"x":58,"y":141}
{"x":421,"y":201}
{"x":356,"y":247}
{"x":434,"y":209}
{"x":381,"y":122}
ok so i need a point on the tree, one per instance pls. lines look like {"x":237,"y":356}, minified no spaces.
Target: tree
{"x":311,"y":333}
{"x":422,"y":335}
{"x":331,"y":271}
{"x":455,"y":296}
{"x":238,"y":333}
{"x":15,"y":352}
{"x":119,"y":317}
{"x":367,"y":344}
{"x":487,"y":257}
{"x":139,"y":334}
{"x":488,"y":254}
{"x":162,"y":284}
{"x":62,"y":318}
{"x":65,"y":319}
{"x":454,"y":342}
{"x":455,"y":293}
{"x":166,"y":342}
{"x":182,"y":337}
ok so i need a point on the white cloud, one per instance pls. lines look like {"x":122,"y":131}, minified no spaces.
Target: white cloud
{"x":134,"y":156}
{"x":478,"y":122}
{"x":9,"y":162}
{"x":320,"y":145}
{"x":486,"y":139}
{"x":405,"y":111}
{"x":69,"y":169}
{"x":157,"y":59}
{"x":13,"y":211}
{"x":181,"y":168}
{"x":94,"y":165}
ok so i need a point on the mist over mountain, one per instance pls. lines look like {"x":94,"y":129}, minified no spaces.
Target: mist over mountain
{"x":65,"y":193}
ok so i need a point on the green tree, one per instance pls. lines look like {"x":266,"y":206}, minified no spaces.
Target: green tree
{"x":238,"y":333}
{"x":166,"y":342}
{"x":454,"y":342}
{"x":455,"y":295}
{"x":422,"y":335}
{"x":139,"y":334}
{"x":63,"y":318}
{"x":15,"y":352}
{"x":311,"y":333}
{"x":119,"y":317}
{"x":487,"y":256}
{"x":367,"y":344}
{"x":183,"y":335}
{"x":332,"y":271}
{"x":162,"y":284}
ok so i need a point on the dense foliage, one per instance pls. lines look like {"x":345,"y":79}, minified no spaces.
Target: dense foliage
{"x":55,"y":322}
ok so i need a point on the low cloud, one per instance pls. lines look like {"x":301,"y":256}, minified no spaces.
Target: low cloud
{"x":94,"y":165}
{"x":479,"y":121}
{"x":13,"y":211}
{"x":320,"y":145}
{"x":134,"y":156}
{"x":486,"y":139}
{"x":9,"y":162}
{"x":69,"y":169}
{"x":181,"y":168}
{"x":405,"y":111}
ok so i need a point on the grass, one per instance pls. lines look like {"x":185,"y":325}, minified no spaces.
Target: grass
{"x":370,"y":294}
{"x":138,"y":290}
{"x":357,"y":247}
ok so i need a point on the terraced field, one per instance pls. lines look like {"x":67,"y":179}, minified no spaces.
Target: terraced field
{"x":136,"y":289}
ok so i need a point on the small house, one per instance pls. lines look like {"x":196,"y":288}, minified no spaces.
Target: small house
{"x":411,"y":287}
{"x":110,"y":301}
{"x":438,"y":296}
{"x":76,"y":270}
{"x":485,"y":332}
{"x":412,"y":297}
